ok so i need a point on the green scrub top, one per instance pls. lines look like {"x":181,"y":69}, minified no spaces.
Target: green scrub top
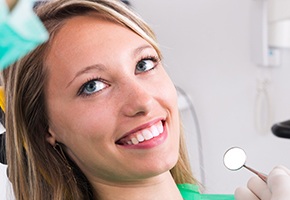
{"x":191,"y":192}
{"x":20,"y":31}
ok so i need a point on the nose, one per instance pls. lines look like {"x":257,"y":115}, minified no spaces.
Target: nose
{"x":137,"y":100}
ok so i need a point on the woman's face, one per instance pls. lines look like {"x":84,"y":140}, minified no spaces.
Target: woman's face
{"x":110,"y":102}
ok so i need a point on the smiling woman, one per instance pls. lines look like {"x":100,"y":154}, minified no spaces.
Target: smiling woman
{"x":92,"y":113}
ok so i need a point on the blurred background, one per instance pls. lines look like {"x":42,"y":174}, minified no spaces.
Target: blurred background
{"x":216,"y":52}
{"x":232,"y":87}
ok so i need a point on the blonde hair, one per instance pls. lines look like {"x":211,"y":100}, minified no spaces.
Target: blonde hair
{"x":35,"y":168}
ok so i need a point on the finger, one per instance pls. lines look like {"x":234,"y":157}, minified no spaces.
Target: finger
{"x":279,"y":182}
{"x":243,"y":193}
{"x":283,"y":168}
{"x":259,"y":188}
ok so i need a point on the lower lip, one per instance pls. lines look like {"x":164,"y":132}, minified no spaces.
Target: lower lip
{"x":148,"y":144}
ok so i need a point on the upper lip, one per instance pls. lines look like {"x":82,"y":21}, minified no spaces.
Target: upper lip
{"x":143,"y":126}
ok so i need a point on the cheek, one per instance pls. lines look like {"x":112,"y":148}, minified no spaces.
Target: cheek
{"x":167,"y":92}
{"x":78,"y":122}
{"x":168,"y":97}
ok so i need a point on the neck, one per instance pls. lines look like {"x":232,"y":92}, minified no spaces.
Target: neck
{"x":160,"y":187}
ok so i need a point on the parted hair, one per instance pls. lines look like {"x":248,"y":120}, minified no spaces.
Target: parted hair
{"x":35,"y":169}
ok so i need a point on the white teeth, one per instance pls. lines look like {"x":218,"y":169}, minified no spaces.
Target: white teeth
{"x":147,"y":134}
{"x":129,"y":142}
{"x":140,"y":137}
{"x":154,"y":131}
{"x":135,"y":141}
{"x":159,"y":127}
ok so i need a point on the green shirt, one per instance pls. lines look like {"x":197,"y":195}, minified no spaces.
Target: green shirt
{"x":191,"y":192}
{"x":20,"y":31}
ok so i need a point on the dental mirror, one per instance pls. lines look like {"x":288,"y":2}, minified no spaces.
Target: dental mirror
{"x":235,"y":158}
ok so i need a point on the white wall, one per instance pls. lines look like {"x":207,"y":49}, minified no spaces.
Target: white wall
{"x":5,"y":187}
{"x":206,"y":45}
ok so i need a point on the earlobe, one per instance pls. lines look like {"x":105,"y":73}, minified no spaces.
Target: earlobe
{"x":50,"y":137}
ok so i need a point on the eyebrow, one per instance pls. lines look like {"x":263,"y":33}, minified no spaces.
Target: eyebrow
{"x":98,"y":67}
{"x":140,"y":49}
{"x":101,"y":67}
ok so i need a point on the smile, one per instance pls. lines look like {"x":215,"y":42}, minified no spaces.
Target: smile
{"x":143,"y":135}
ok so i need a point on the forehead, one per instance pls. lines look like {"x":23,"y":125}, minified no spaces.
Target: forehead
{"x":81,"y":30}
{"x":82,"y":34}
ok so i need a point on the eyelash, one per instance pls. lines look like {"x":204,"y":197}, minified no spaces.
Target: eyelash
{"x":82,"y":88}
{"x":150,"y":57}
{"x":153,"y":58}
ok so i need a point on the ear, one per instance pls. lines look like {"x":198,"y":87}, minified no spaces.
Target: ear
{"x":51,"y":137}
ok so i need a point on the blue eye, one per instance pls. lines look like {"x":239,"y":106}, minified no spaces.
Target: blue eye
{"x":146,"y":65}
{"x":92,"y":87}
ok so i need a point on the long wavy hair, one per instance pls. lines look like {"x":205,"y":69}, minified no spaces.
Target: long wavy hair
{"x":36,"y":170}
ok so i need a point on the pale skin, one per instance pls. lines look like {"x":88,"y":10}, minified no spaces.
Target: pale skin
{"x":122,"y":100}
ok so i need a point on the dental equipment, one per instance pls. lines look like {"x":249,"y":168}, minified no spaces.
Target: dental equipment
{"x":235,"y":159}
